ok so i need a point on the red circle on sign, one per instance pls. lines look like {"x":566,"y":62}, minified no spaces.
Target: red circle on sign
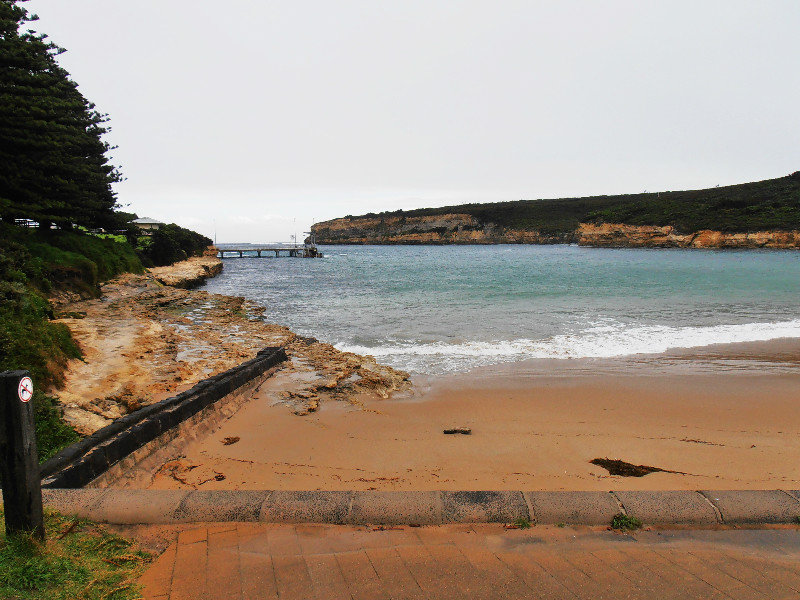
{"x":25,"y":389}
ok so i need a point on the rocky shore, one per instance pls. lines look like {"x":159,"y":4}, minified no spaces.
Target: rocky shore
{"x":190,"y":273}
{"x":149,"y":337}
{"x":458,"y":228}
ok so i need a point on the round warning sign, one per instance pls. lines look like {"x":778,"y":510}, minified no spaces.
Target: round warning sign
{"x":25,"y":389}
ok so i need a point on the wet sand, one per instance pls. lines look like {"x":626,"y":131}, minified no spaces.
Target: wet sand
{"x":724,"y":417}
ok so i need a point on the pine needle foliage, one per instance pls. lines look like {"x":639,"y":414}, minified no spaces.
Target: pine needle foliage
{"x":54,"y":165}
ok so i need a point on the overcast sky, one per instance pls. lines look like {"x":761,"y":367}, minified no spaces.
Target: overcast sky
{"x":256,"y":116}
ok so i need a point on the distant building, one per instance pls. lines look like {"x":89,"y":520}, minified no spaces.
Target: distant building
{"x":147,"y":224}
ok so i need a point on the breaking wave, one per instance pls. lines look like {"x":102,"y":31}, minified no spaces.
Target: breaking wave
{"x":603,"y":341}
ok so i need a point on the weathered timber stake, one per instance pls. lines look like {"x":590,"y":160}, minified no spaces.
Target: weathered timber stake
{"x":19,"y":460}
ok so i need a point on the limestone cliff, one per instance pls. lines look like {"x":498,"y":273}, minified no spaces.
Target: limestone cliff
{"x":759,"y":214}
{"x":618,"y":235}
{"x":455,"y":228}
{"x":452,"y":228}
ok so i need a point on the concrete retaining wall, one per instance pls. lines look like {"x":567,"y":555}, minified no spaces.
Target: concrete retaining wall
{"x":695,"y":508}
{"x":107,"y":454}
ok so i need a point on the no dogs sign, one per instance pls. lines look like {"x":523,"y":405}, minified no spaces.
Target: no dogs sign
{"x":25,"y":389}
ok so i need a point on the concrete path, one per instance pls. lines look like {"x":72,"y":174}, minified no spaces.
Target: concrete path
{"x":257,"y":560}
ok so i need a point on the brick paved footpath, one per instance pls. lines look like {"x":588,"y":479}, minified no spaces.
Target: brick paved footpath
{"x":256,"y":560}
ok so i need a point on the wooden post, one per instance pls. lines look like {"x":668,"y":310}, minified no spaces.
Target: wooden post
{"x":19,"y":460}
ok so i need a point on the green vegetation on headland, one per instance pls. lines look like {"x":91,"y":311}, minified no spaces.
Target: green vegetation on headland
{"x":773,"y":204}
{"x":78,"y":560}
{"x":35,"y":263}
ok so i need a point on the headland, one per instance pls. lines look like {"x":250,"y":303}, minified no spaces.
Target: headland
{"x":762,"y":214}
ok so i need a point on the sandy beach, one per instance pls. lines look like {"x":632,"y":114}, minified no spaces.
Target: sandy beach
{"x":718,"y":417}
{"x":711,"y":418}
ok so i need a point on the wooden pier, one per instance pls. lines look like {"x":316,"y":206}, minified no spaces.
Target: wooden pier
{"x":306,"y":251}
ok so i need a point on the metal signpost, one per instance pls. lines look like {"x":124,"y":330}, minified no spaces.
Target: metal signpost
{"x":19,"y":460}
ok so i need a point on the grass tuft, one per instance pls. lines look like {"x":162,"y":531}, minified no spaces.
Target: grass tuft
{"x":52,"y":433}
{"x":523,"y":523}
{"x":624,"y":522}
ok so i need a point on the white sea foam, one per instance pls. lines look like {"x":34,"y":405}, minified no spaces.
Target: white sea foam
{"x":601,"y":341}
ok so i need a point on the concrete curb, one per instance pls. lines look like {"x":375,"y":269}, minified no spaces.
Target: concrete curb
{"x":756,"y":506}
{"x":686,"y":508}
{"x":129,"y":506}
{"x":584,"y":508}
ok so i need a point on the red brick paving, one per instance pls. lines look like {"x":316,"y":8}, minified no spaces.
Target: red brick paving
{"x":254,"y":561}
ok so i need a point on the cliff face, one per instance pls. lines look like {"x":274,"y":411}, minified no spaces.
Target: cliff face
{"x":455,"y":228}
{"x":769,"y":210}
{"x":617,"y":235}
{"x":450,"y":228}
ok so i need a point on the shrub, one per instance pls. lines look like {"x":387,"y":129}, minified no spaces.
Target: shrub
{"x":172,"y":243}
{"x":28,"y":340}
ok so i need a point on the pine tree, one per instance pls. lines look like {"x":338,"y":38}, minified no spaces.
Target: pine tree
{"x":54,"y":166}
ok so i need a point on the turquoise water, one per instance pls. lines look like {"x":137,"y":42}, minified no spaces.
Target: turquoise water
{"x":440,"y":309}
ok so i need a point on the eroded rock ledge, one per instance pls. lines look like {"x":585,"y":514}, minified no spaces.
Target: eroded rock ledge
{"x":190,"y":273}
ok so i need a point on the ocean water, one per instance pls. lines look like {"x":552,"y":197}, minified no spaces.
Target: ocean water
{"x":444,"y":309}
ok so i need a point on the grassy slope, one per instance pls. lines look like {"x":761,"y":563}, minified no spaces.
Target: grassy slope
{"x":31,"y":266}
{"x":78,"y":560}
{"x":773,"y":204}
